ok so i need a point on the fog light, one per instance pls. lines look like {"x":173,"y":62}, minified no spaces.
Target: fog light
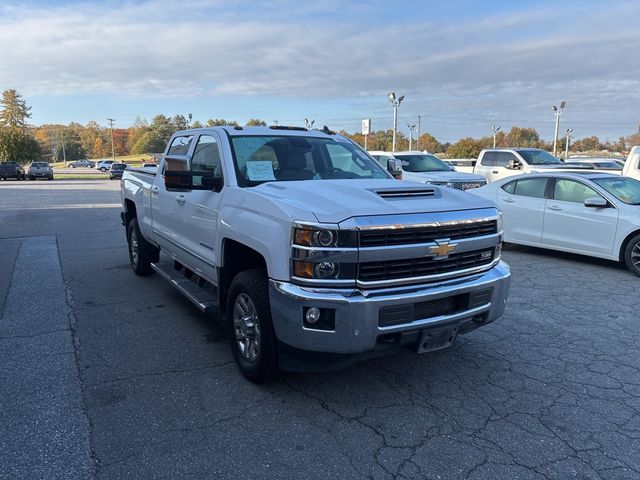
{"x":326,"y":270}
{"x":312,"y":315}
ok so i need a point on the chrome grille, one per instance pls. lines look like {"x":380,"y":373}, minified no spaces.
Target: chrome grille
{"x":424,"y":266}
{"x":467,"y":184}
{"x":412,"y":235}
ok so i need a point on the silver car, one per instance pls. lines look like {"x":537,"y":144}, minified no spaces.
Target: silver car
{"x":40,"y":170}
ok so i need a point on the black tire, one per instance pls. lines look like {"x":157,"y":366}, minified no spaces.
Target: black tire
{"x":31,"y":178}
{"x":141,"y":252}
{"x":632,"y":255}
{"x":253,"y":284}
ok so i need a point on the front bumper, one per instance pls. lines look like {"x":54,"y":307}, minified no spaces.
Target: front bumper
{"x":358,"y":312}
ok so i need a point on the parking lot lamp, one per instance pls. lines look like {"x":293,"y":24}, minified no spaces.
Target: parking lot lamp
{"x":568,"y":133}
{"x":557,"y":112}
{"x":496,"y":129}
{"x":411,"y":129}
{"x":396,"y":103}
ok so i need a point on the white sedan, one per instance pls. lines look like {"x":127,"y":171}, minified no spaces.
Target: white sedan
{"x":589,"y":213}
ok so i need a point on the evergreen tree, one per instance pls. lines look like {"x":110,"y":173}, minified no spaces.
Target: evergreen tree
{"x":14,"y":111}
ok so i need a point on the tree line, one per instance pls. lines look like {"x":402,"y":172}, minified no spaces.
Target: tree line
{"x":23,"y":143}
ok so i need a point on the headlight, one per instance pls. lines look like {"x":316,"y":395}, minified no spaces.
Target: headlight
{"x":323,"y":270}
{"x":323,"y":237}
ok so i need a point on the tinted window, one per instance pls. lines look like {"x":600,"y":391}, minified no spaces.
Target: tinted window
{"x":206,"y":158}
{"x":531,"y":187}
{"x":423,"y":163}
{"x":572,"y":191}
{"x":539,"y":157}
{"x":489,"y":159}
{"x":509,"y":187}
{"x":180,"y":145}
{"x":503,"y":159}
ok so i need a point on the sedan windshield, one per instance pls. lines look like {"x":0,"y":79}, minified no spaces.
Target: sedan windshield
{"x":539,"y":157}
{"x":423,"y":163}
{"x":625,"y":189}
{"x":260,"y":159}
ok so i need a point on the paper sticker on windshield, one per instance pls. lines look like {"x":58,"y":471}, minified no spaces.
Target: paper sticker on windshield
{"x":260,"y":171}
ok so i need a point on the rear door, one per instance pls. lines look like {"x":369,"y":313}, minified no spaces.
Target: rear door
{"x":570,"y":225}
{"x":485,"y":163}
{"x":522,"y":202}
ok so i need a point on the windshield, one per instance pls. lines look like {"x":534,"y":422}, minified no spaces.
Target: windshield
{"x":625,"y":189}
{"x":260,"y":159}
{"x":423,"y":163}
{"x":539,"y":157}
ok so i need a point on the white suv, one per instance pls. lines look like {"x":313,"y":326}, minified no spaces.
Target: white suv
{"x":427,"y":168}
{"x":104,"y":165}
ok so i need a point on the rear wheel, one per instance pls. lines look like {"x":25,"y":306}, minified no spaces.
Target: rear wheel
{"x":632,"y":255}
{"x":141,"y":252}
{"x":253,"y":341}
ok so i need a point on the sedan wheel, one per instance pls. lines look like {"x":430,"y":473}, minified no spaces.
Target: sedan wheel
{"x":632,"y":255}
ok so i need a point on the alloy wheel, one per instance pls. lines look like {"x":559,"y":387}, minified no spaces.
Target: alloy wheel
{"x":246,"y":327}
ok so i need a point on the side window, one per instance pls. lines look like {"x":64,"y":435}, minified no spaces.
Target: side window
{"x":572,"y":191}
{"x":489,"y":159}
{"x":503,"y":159}
{"x":531,"y":187}
{"x":509,"y":187}
{"x":206,"y":159}
{"x":180,"y":145}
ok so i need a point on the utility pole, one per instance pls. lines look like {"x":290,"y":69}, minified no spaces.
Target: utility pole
{"x":64,"y":152}
{"x":557,"y":112}
{"x":275,"y":122}
{"x":113,"y":147}
{"x":396,"y":103}
{"x":418,"y":138}
{"x":568,"y":132}
{"x":495,"y":129}
{"x":411,"y":128}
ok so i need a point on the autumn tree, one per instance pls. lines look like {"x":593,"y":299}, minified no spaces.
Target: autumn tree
{"x":14,"y":110}
{"x":256,"y":122}
{"x":221,"y":122}
{"x":464,"y":148}
{"x":523,"y":137}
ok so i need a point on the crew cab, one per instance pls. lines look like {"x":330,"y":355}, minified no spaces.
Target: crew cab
{"x":497,"y":163}
{"x":11,"y":170}
{"x":309,"y":251}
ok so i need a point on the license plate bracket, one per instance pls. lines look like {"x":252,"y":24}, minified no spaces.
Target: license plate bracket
{"x":432,"y":340}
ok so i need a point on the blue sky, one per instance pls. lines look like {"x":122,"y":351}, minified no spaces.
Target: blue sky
{"x":462,"y":65}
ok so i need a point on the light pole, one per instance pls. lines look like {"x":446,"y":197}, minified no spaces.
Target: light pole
{"x":275,"y":122}
{"x":496,"y":129}
{"x":418,"y":137}
{"x":190,"y":116}
{"x":411,"y":129}
{"x":396,"y":103}
{"x":557,"y":112}
{"x":568,"y":133}
{"x":309,"y":123}
{"x":113,"y":148}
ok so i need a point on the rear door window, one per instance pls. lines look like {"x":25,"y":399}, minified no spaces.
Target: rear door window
{"x":531,"y":187}
{"x":489,"y":159}
{"x":509,"y":187}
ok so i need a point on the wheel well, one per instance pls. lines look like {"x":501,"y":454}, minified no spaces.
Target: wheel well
{"x":129,"y":211}
{"x":236,"y":257}
{"x":626,"y":242}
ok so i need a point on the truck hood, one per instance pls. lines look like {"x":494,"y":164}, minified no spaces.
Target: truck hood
{"x":333,"y":201}
{"x":441,"y":176}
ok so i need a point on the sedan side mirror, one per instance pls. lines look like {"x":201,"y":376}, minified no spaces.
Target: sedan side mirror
{"x":595,"y":202}
{"x":394,"y":167}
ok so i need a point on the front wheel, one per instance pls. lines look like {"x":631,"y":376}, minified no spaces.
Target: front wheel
{"x":632,"y":255}
{"x":141,"y":252}
{"x":102,"y":169}
{"x":251,"y":334}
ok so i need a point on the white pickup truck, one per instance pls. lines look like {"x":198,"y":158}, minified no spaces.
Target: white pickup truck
{"x":309,"y":251}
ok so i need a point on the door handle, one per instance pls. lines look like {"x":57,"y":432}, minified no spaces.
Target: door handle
{"x":155,"y":189}
{"x":508,"y":200}
{"x":554,"y":207}
{"x":180,"y":199}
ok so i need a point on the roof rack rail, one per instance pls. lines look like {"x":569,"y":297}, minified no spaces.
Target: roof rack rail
{"x":286,"y":127}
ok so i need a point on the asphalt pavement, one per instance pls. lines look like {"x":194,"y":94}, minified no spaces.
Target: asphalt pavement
{"x":108,"y":375}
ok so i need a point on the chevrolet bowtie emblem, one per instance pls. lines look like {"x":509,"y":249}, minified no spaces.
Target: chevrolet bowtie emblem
{"x":442,"y":249}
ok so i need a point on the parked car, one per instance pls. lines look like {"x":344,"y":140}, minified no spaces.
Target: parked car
{"x":590,"y":213}
{"x":40,"y":170}
{"x":104,"y":165}
{"x":595,"y":163}
{"x":632,"y":165}
{"x":82,"y":163}
{"x":497,"y":163}
{"x":11,"y":170}
{"x":309,"y":250}
{"x":427,"y":168}
{"x":116,"y":170}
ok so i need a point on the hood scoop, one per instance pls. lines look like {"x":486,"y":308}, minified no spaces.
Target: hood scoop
{"x":406,"y":193}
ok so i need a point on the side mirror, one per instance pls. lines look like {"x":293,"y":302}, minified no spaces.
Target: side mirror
{"x":514,"y":164}
{"x":595,"y":202}
{"x":394,"y":167}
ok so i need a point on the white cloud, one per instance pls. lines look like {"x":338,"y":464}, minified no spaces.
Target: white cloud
{"x":509,"y":64}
